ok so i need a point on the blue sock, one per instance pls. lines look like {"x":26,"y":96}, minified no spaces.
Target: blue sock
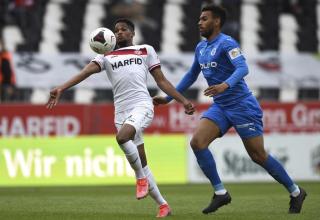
{"x":208,"y":166}
{"x":276,"y":170}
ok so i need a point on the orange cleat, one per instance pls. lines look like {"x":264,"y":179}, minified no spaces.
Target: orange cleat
{"x":142,"y":188}
{"x":164,"y":211}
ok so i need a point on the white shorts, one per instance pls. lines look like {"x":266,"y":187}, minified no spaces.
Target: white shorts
{"x":139,"y":117}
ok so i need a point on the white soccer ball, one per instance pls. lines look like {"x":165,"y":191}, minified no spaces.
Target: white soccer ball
{"x":102,"y":40}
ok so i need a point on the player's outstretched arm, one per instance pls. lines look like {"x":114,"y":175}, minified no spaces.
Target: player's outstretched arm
{"x":168,"y":88}
{"x":55,"y":93}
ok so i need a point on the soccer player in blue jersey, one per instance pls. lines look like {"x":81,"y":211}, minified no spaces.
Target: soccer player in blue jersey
{"x":220,"y":60}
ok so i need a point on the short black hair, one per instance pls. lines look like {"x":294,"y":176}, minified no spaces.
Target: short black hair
{"x":127,"y":21}
{"x":217,"y":11}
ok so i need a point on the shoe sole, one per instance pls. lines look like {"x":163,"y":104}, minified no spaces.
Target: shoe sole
{"x":139,"y":198}
{"x":169,"y":214}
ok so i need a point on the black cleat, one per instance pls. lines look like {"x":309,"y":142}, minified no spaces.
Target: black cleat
{"x":216,"y":202}
{"x":296,"y":202}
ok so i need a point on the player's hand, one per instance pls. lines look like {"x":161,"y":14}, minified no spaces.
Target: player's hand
{"x":159,"y":100}
{"x":188,"y":108}
{"x":54,"y":97}
{"x":216,"y":89}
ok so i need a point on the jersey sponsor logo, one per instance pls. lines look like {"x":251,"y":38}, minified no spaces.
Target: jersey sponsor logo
{"x":208,"y":65}
{"x":126,"y":62}
{"x":234,"y":53}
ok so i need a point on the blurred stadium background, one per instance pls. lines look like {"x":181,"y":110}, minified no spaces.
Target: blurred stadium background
{"x":46,"y":42}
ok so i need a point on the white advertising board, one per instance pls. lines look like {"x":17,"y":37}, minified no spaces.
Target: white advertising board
{"x":48,"y":70}
{"x":298,"y":153}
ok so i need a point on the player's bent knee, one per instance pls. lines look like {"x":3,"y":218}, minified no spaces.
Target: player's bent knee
{"x":121,"y":139}
{"x":258,"y":158}
{"x":197,"y":144}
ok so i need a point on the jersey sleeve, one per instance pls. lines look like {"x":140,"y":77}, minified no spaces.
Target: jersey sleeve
{"x":234,"y":54}
{"x":153,"y":60}
{"x":232,"y":50}
{"x":99,"y":60}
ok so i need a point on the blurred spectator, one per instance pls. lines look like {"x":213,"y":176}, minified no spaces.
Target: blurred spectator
{"x":3,"y":14}
{"x":7,"y":75}
{"x":290,"y":6}
{"x":27,"y":18}
{"x":132,"y":9}
{"x":135,"y":11}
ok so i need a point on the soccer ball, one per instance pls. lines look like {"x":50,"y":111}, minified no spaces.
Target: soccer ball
{"x":102,"y":40}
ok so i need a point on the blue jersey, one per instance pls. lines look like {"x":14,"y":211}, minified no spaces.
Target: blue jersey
{"x":219,"y":60}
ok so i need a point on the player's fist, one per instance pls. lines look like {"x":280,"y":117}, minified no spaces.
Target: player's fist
{"x":159,"y":100}
{"x":216,"y":89}
{"x":188,"y":108}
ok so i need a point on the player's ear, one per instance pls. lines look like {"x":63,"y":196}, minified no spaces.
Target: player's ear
{"x":216,"y":21}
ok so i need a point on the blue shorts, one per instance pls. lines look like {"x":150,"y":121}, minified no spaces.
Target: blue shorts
{"x":245,"y":117}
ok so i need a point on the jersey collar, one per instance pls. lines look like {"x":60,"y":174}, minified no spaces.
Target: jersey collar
{"x":214,"y":39}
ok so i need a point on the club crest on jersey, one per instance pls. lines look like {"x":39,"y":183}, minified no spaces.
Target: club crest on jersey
{"x":213,"y":51}
{"x":234,"y":53}
{"x":137,"y":52}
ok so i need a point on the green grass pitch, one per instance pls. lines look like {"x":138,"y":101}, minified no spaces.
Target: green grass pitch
{"x":249,"y":201}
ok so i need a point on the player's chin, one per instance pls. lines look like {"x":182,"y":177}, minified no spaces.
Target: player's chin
{"x":121,"y":40}
{"x":204,"y":33}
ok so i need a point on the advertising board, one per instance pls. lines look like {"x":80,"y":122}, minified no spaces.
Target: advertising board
{"x":86,"y":160}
